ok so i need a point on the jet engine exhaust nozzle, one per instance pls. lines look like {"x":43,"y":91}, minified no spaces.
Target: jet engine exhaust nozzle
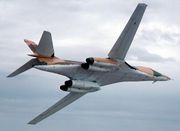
{"x":90,"y":60}
{"x":85,"y":66}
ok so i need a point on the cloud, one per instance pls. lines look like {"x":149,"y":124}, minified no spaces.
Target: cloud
{"x":145,"y":56}
{"x":157,"y":41}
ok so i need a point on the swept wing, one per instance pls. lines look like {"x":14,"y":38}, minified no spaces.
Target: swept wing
{"x":124,"y":41}
{"x":71,"y":97}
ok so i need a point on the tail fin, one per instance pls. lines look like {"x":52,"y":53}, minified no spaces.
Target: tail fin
{"x":43,"y":49}
{"x":45,"y":46}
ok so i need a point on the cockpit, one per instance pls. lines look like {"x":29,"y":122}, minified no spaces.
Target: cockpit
{"x":157,"y":76}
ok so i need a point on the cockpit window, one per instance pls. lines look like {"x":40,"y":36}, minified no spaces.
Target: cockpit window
{"x":155,"y":73}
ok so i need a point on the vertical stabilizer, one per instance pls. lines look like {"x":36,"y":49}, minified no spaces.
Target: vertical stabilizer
{"x":45,"y":47}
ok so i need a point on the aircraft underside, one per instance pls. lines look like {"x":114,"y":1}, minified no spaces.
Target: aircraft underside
{"x":103,"y":76}
{"x":95,"y":72}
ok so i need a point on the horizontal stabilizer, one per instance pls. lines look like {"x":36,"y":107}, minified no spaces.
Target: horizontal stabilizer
{"x":25,"y":67}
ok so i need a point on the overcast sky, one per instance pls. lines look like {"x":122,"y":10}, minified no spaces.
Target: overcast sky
{"x":80,"y":29}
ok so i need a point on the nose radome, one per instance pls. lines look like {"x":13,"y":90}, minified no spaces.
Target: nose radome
{"x":167,"y":78}
{"x":162,"y":78}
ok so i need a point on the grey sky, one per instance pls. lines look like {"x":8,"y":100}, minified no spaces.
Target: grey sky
{"x":83,"y":28}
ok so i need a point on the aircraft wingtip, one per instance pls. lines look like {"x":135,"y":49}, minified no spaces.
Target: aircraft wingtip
{"x":9,"y":76}
{"x":142,"y":4}
{"x":31,"y":123}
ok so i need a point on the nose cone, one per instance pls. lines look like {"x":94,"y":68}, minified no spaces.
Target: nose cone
{"x":166,"y":78}
{"x":162,"y":78}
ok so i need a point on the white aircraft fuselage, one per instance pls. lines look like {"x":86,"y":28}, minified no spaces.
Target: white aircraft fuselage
{"x":91,"y":75}
{"x":104,"y":73}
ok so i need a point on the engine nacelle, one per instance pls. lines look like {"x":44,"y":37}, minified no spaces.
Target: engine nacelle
{"x":80,"y":86}
{"x":100,"y":64}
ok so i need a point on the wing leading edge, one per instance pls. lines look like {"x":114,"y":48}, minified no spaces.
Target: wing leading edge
{"x":72,"y":96}
{"x":123,"y":43}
